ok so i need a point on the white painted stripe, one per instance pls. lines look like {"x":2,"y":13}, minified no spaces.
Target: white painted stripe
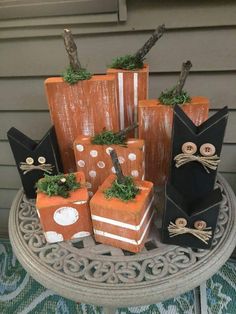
{"x":122,"y":239}
{"x":121,"y":99}
{"x":80,"y":202}
{"x":136,"y":101}
{"x":123,"y":224}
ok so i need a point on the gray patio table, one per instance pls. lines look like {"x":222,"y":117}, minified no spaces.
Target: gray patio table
{"x":88,"y":272}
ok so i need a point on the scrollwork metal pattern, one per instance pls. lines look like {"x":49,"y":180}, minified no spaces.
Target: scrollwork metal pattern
{"x":76,"y":263}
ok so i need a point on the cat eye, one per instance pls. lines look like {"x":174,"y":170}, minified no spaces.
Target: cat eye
{"x":42,"y":160}
{"x":29,"y":160}
{"x":181,"y":222}
{"x":200,"y":224}
{"x":189,"y":148}
{"x":207,"y":149}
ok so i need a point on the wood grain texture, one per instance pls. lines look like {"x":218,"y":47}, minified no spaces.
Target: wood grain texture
{"x":155,"y":127}
{"x":96,"y":163}
{"x":131,"y":212}
{"x":132,"y":86}
{"x":85,"y":108}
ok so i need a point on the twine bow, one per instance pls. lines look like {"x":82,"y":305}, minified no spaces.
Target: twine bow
{"x":210,"y":162}
{"x":44,"y":167}
{"x":204,"y":235}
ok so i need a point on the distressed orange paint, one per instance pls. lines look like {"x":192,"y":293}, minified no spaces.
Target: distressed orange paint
{"x":86,"y":107}
{"x":125,"y":225}
{"x":95,"y":161}
{"x":155,"y":127}
{"x":65,"y":218}
{"x":132,"y":86}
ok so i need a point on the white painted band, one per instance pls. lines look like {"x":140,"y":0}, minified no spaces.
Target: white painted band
{"x":122,"y":239}
{"x":136,"y":100}
{"x":123,"y":224}
{"x":121,"y":99}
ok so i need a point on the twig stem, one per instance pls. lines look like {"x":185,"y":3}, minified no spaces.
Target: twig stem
{"x":71,"y":49}
{"x":128,"y":129}
{"x":116,"y":164}
{"x":157,"y":34}
{"x":186,"y":66}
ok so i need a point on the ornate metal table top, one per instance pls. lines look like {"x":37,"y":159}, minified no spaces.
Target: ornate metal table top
{"x":85,"y":271}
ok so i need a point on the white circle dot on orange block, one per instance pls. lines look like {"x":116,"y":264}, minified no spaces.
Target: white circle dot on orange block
{"x":113,"y":169}
{"x":92,"y":173}
{"x":134,"y":173}
{"x":81,"y":163}
{"x":93,"y":153}
{"x":101,"y":164}
{"x":66,"y":216}
{"x":80,"y":147}
{"x":53,"y":236}
{"x":80,"y":234}
{"x":132,"y":156}
{"x":121,"y":159}
{"x":108,"y":150}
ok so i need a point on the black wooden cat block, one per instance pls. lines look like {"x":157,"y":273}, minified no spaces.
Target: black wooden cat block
{"x":190,"y":224}
{"x":33,"y":159}
{"x":196,"y":153}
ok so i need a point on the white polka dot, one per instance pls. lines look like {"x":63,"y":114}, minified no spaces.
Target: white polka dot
{"x":101,"y":164}
{"x":79,"y":147}
{"x":65,"y":216}
{"x":108,"y":150}
{"x":134,"y":173}
{"x":88,"y":185}
{"x":93,"y":153}
{"x":81,"y":163}
{"x":121,"y":159}
{"x":90,"y":193}
{"x":92,"y":173}
{"x":113,"y":169}
{"x":132,"y":156}
{"x":52,"y":236}
{"x":81,"y":234}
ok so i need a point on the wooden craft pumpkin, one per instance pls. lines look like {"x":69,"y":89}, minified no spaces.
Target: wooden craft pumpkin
{"x":95,"y":161}
{"x":65,"y":218}
{"x":86,"y":107}
{"x":122,"y":224}
{"x":132,"y":86}
{"x":155,"y":127}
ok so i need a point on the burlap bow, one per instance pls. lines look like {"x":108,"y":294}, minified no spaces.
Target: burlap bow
{"x":210,"y":162}
{"x":204,"y":235}
{"x":44,"y":167}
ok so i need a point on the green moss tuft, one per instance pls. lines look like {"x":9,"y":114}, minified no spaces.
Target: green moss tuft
{"x":169,"y":97}
{"x":109,"y":138}
{"x":125,"y":191}
{"x":127,"y":62}
{"x":59,"y":185}
{"x":70,"y":76}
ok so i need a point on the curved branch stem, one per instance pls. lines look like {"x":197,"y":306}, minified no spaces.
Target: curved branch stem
{"x":186,"y":66}
{"x":157,"y":34}
{"x":116,"y":164}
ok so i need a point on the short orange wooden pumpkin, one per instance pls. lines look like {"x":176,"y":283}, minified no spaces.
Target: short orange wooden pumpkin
{"x":123,"y":224}
{"x":65,"y":218}
{"x":95,"y":161}
{"x":155,"y":127}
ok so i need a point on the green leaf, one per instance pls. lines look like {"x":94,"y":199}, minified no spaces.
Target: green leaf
{"x":70,"y":76}
{"x":168,"y":97}
{"x":109,"y":138}
{"x":127,"y":62}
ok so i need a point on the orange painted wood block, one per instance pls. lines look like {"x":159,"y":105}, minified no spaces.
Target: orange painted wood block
{"x":95,"y":161}
{"x":122,"y":224}
{"x":65,"y":218}
{"x":86,"y":107}
{"x":155,"y":127}
{"x":132,"y":86}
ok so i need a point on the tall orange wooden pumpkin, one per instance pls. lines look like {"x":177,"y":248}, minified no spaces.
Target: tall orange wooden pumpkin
{"x":132,"y":80}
